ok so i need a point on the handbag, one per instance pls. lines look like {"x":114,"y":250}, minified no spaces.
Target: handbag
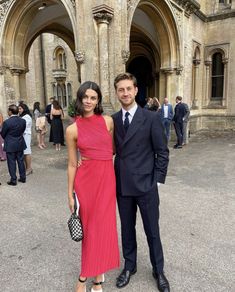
{"x":75,"y":224}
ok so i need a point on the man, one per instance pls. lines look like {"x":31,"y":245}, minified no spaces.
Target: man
{"x":14,"y":144}
{"x":185,"y":124}
{"x":167,"y":116}
{"x":180,"y":112}
{"x":141,"y":162}
{"x":48,"y":110}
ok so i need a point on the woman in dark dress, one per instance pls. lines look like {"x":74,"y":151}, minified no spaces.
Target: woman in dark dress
{"x":57,"y":130}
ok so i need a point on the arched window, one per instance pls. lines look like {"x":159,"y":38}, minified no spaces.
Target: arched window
{"x":69,"y":88}
{"x":217,"y":77}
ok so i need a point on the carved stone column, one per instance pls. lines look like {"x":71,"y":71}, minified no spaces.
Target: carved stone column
{"x":16,"y":76}
{"x":103,"y":14}
{"x":196,"y":63}
{"x":207,"y":82}
{"x":224,"y":100}
{"x":167,"y":72}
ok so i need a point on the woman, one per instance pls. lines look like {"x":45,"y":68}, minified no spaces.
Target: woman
{"x":94,"y":184}
{"x":25,"y":114}
{"x":2,"y":153}
{"x":40,"y":125}
{"x":57,"y":131}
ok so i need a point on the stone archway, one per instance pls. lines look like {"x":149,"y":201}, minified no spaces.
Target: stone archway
{"x":23,"y":22}
{"x":154,"y":35}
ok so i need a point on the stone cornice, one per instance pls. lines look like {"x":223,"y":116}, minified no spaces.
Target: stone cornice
{"x":216,"y":16}
{"x":189,"y":6}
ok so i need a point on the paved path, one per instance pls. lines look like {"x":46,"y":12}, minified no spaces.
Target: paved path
{"x":197,"y":224}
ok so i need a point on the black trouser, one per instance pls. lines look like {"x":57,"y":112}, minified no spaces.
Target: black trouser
{"x":179,"y":133}
{"x":12,"y":158}
{"x":149,"y":210}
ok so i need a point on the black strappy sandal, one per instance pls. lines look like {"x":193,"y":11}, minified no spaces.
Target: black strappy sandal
{"x":82,"y":281}
{"x":98,"y":284}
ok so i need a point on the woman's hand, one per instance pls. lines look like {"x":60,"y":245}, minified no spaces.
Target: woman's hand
{"x":71,"y":203}
{"x":79,"y":163}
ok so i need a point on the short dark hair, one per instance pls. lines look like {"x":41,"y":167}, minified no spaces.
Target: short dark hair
{"x":13,"y":109}
{"x":81,"y":94}
{"x":179,"y":97}
{"x":125,"y":76}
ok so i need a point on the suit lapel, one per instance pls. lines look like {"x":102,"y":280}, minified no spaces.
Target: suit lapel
{"x":136,"y":122}
{"x":119,"y":124}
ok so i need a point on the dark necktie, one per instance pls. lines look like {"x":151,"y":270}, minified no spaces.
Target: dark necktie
{"x":126,"y":121}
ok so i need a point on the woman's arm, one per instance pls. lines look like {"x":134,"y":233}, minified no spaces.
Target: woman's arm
{"x":71,"y":140}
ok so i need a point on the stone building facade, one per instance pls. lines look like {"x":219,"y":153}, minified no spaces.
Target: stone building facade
{"x":174,"y":47}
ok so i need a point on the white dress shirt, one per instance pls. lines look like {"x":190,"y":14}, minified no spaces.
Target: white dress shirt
{"x":131,"y":113}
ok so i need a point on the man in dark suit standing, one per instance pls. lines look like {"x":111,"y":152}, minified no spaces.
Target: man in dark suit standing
{"x":14,"y":144}
{"x":48,"y":110}
{"x":180,"y":113}
{"x":140,"y":164}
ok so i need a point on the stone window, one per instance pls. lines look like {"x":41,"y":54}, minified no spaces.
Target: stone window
{"x":217,"y":77}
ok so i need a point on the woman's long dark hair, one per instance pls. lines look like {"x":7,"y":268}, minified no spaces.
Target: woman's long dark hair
{"x":81,"y":93}
{"x":26,"y":110}
{"x":36,"y":105}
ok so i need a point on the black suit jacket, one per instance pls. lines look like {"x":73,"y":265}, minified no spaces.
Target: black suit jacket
{"x":12,"y":133}
{"x":142,"y":154}
{"x":180,"y":113}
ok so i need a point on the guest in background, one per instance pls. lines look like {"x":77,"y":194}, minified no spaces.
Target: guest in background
{"x":155,"y":105}
{"x":36,"y":110}
{"x":40,"y":125}
{"x":180,"y":112}
{"x":25,"y":114}
{"x":2,"y":153}
{"x":14,"y":144}
{"x":48,"y":110}
{"x":149,"y":103}
{"x":185,"y":124}
{"x":57,"y":130}
{"x":167,"y":116}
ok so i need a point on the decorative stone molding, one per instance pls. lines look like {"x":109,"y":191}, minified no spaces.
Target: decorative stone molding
{"x":196,"y":62}
{"x":189,"y":6}
{"x":208,"y":63}
{"x":4,"y":5}
{"x":2,"y":69}
{"x":131,"y":4}
{"x":80,"y":56}
{"x":103,"y":13}
{"x":15,"y":71}
{"x":179,"y":70}
{"x":167,"y":70}
{"x":178,"y":14}
{"x":125,"y":56}
{"x":73,"y":3}
{"x":222,"y":48}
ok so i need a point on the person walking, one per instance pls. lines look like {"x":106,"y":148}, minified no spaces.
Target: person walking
{"x":141,"y":163}
{"x":14,"y":144}
{"x":167,"y":116}
{"x":178,"y":119}
{"x":94,"y":184}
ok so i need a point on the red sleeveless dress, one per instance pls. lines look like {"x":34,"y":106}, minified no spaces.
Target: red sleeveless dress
{"x":95,"y":187}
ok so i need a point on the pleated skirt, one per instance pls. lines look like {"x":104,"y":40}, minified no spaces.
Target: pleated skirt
{"x":95,"y":187}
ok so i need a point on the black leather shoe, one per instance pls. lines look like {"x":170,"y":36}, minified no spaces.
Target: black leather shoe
{"x":124,"y":278}
{"x":175,"y":146}
{"x":11,"y":183}
{"x":22,"y":180}
{"x":162,"y":282}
